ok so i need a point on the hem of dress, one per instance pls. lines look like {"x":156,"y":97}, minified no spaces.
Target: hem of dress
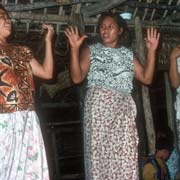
{"x":5,"y":110}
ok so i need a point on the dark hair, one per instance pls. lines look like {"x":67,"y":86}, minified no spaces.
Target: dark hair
{"x":3,"y":8}
{"x":165,"y":132}
{"x":124,"y":38}
{"x":164,"y":143}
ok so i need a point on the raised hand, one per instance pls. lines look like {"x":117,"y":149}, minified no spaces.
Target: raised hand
{"x":73,"y":36}
{"x":50,"y":31}
{"x":175,"y":52}
{"x":152,"y":39}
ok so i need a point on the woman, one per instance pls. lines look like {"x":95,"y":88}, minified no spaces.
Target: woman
{"x":22,"y":152}
{"x":109,"y":116}
{"x":174,"y":76}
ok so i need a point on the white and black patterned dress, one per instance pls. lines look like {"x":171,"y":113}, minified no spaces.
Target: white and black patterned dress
{"x":177,"y":106}
{"x":110,"y":134}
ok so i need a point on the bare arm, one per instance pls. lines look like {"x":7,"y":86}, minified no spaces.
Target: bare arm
{"x":46,"y":69}
{"x":173,"y":70}
{"x":79,"y":61}
{"x":145,"y":74}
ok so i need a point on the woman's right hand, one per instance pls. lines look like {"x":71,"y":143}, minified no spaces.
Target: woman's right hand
{"x":73,"y":36}
{"x":175,"y":52}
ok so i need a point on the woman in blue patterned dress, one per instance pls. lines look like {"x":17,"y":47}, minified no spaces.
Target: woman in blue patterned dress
{"x":110,"y":134}
{"x":174,"y":76}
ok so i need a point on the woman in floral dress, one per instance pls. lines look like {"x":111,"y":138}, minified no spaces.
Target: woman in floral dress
{"x":22,"y":152}
{"x":110,"y":134}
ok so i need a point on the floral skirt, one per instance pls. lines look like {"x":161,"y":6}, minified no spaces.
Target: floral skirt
{"x":22,"y":151}
{"x":110,"y":136}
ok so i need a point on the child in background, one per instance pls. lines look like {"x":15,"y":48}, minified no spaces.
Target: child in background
{"x":155,"y":167}
{"x":173,"y":162}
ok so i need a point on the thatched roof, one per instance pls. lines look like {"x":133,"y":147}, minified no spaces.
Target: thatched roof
{"x":161,"y":13}
{"x":28,"y":15}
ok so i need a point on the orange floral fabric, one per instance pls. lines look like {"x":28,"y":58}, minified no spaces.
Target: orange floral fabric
{"x":16,"y":80}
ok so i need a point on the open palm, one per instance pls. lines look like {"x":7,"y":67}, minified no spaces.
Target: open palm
{"x":73,"y":36}
{"x":152,"y":39}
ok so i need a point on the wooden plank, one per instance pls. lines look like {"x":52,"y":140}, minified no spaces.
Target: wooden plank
{"x":23,"y":16}
{"x":76,"y":19}
{"x":56,"y":19}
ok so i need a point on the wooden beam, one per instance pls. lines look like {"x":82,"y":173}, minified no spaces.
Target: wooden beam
{"x":29,"y":6}
{"x":76,"y":19}
{"x":101,"y":7}
{"x":56,"y":19}
{"x":21,"y":16}
{"x":13,"y":7}
{"x":154,"y":11}
{"x":40,"y":5}
{"x":133,"y":4}
{"x":170,"y":18}
{"x":146,"y":10}
{"x":40,"y":18}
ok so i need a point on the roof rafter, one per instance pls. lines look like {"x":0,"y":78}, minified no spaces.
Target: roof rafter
{"x":46,"y":4}
{"x":101,"y":6}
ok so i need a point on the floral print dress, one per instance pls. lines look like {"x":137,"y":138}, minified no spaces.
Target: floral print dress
{"x":110,"y":134}
{"x":22,"y":151}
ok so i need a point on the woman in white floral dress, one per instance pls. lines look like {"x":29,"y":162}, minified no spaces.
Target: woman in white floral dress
{"x":110,"y":134}
{"x":22,"y":152}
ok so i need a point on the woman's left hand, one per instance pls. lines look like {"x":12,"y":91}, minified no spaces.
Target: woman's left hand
{"x":152,"y":39}
{"x":50,"y":31}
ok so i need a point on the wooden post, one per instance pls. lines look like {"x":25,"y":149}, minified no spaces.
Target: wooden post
{"x":145,"y":92}
{"x":76,"y":18}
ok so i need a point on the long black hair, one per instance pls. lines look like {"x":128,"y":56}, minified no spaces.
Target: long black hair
{"x":124,"y":37}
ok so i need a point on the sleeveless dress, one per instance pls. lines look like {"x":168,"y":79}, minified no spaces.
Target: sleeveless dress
{"x":22,"y":151}
{"x":177,"y":106}
{"x":173,"y":162}
{"x":110,"y":134}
